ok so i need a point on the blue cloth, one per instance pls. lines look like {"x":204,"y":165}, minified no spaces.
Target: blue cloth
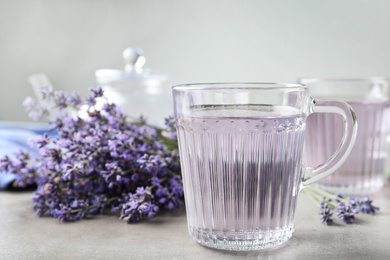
{"x":13,"y":137}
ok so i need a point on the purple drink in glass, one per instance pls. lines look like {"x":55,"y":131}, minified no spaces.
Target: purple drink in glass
{"x":241,"y":147}
{"x":363,"y":171}
{"x":248,"y":172}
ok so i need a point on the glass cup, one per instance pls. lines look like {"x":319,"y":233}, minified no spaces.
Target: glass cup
{"x":241,"y":147}
{"x":363,"y":171}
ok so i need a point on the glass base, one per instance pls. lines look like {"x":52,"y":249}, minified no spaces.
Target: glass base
{"x":351,"y":190}
{"x":241,"y":240}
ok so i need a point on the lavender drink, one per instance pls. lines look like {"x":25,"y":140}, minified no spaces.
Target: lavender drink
{"x":364,"y":169}
{"x":241,"y":147}
{"x":244,"y":162}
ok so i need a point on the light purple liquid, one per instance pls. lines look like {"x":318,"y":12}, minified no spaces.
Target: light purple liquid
{"x":363,"y":171}
{"x":241,"y":177}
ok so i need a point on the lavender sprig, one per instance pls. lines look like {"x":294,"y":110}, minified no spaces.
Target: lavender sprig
{"x":326,"y":215}
{"x":346,"y":208}
{"x":366,"y":206}
{"x":346,"y":212}
{"x":139,"y":205}
{"x":99,"y":161}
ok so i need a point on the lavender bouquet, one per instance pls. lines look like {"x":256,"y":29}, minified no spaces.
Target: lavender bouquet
{"x":98,"y":161}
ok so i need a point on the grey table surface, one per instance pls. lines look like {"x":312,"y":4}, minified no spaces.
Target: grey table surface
{"x":23,"y":235}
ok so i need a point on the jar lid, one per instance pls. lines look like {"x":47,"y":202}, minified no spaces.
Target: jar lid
{"x":134,"y":60}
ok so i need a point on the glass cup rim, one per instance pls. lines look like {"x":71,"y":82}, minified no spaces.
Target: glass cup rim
{"x":305,"y":80}
{"x":240,"y":85}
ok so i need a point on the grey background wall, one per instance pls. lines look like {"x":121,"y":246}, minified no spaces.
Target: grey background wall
{"x":190,"y":41}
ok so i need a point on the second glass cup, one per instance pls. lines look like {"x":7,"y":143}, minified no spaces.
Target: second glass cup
{"x":363,"y":171}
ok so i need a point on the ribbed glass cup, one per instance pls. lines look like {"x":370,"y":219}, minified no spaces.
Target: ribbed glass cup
{"x":241,"y":149}
{"x":252,"y":203}
{"x":363,"y":172}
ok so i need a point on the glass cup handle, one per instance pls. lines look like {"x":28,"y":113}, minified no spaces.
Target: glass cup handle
{"x":315,"y":174}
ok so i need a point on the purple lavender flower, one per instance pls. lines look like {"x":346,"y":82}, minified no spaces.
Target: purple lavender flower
{"x":354,"y":202}
{"x":47,"y":93}
{"x":139,"y":205}
{"x":41,"y":141}
{"x":170,"y":133}
{"x":62,"y":213}
{"x":5,"y":162}
{"x":176,"y":186}
{"x":326,"y":215}
{"x":325,"y":201}
{"x":91,"y":101}
{"x":40,"y":206}
{"x":74,"y":99}
{"x":367,"y":207}
{"x":75,"y":204}
{"x":60,"y":100}
{"x":156,"y":181}
{"x":97,"y":92}
{"x":346,"y":212}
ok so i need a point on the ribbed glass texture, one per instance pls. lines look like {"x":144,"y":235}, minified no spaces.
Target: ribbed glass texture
{"x":363,"y":171}
{"x":241,"y":178}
